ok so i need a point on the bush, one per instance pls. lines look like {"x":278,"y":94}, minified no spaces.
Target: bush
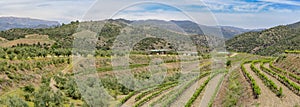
{"x":14,"y":101}
{"x":28,"y":88}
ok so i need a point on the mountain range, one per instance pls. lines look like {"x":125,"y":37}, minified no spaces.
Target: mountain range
{"x":7,"y":23}
{"x":273,"y":41}
{"x":194,"y":28}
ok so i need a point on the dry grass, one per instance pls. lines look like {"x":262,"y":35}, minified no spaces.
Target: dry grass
{"x":30,"y":40}
{"x":291,"y":63}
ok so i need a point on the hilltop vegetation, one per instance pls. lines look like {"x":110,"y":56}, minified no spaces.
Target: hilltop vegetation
{"x":273,"y":41}
{"x":63,"y":36}
{"x":38,"y":68}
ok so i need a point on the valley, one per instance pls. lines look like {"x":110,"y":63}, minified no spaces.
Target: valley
{"x":41,"y":68}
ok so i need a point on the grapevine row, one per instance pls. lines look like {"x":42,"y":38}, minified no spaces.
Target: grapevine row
{"x":172,"y":96}
{"x":155,"y":94}
{"x":269,"y":83}
{"x":197,"y":93}
{"x":291,"y":85}
{"x":136,"y":92}
{"x":296,"y":77}
{"x":294,"y":51}
{"x":140,"y":96}
{"x":254,"y":86}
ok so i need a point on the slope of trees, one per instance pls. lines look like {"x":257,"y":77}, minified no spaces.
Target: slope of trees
{"x":272,"y":41}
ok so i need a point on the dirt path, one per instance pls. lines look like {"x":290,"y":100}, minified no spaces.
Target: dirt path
{"x":234,"y":54}
{"x":52,"y":85}
{"x":267,"y":97}
{"x":187,"y":94}
{"x":289,"y":98}
{"x":209,"y":91}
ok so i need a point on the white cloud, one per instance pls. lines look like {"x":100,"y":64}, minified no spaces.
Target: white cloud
{"x":258,"y":20}
{"x":283,"y":2}
{"x":227,"y":12}
{"x":63,"y":11}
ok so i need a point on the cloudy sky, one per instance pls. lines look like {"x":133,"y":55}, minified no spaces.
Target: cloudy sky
{"x":239,"y":13}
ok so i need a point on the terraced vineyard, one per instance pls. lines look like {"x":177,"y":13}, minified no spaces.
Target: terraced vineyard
{"x":41,"y":68}
{"x":177,"y":93}
{"x":270,"y":88}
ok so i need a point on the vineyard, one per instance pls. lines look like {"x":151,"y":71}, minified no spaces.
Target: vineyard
{"x":40,"y":67}
{"x":27,"y":79}
{"x":270,"y":84}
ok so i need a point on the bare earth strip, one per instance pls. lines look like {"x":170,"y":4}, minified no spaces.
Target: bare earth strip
{"x":147,"y":104}
{"x":198,"y":100}
{"x":290,"y":98}
{"x":210,"y":90}
{"x":187,"y":94}
{"x":267,"y":97}
{"x":130,"y":102}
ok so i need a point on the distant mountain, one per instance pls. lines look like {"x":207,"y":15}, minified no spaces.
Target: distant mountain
{"x":63,"y":35}
{"x":271,"y":41}
{"x":228,"y":31}
{"x":192,"y":27}
{"x":7,"y":23}
{"x":294,"y":25}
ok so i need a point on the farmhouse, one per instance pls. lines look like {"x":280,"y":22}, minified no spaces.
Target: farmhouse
{"x":158,"y":51}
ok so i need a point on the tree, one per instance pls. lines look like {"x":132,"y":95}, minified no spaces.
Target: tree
{"x":28,"y":88}
{"x":46,"y":97}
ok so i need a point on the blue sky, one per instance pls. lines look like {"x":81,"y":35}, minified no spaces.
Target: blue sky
{"x":240,"y":13}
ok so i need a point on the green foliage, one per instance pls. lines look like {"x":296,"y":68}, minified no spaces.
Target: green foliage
{"x":143,"y":94}
{"x":269,"y":83}
{"x":284,"y":72}
{"x":279,"y":92}
{"x":29,"y":88}
{"x":128,"y":97}
{"x":46,"y":97}
{"x":291,"y":85}
{"x":254,"y":86}
{"x":154,"y":94}
{"x":272,"y":41}
{"x":292,"y":51}
{"x":167,"y":99}
{"x":14,"y":101}
{"x":235,"y":89}
{"x":197,"y":93}
{"x":228,"y":63}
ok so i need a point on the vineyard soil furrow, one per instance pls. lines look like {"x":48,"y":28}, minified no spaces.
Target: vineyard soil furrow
{"x":130,"y":102}
{"x":289,"y":97}
{"x":284,"y":73}
{"x":267,"y":97}
{"x":187,"y":94}
{"x":147,"y":104}
{"x":210,"y":90}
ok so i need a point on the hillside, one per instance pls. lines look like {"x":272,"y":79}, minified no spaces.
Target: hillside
{"x":28,"y":40}
{"x":63,"y":35}
{"x":272,"y":41}
{"x":192,"y":27}
{"x":7,"y":23}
